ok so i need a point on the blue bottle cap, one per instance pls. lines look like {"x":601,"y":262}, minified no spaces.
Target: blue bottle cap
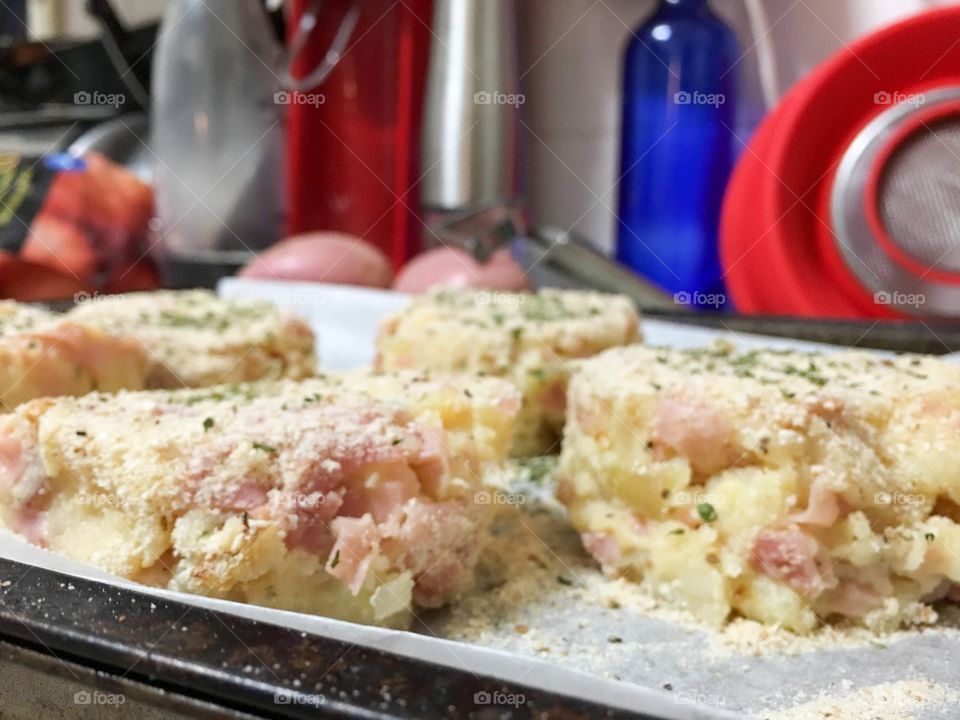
{"x":64,"y":162}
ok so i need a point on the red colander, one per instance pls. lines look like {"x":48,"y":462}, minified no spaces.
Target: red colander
{"x":846,"y":204}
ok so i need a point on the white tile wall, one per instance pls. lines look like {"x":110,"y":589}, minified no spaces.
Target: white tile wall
{"x":570,"y":68}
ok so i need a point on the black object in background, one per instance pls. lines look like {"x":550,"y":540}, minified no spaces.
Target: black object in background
{"x":117,"y":44}
{"x":49,"y":76}
{"x":13,"y":19}
{"x":24,"y":184}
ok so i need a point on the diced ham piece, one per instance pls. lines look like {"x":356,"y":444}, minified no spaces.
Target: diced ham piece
{"x":554,"y":397}
{"x":388,"y":488}
{"x":603,"y":547}
{"x":430,"y":460}
{"x":311,"y":516}
{"x":23,"y":485}
{"x":431,"y":540}
{"x":696,"y":431}
{"x":30,"y":524}
{"x":438,"y":584}
{"x":248,"y":495}
{"x":11,"y":462}
{"x":823,"y":507}
{"x":358,"y":543}
{"x":437,"y":544}
{"x":788,"y":556}
{"x":316,"y":474}
{"x":853,"y":599}
{"x":386,"y":497}
{"x":30,"y":521}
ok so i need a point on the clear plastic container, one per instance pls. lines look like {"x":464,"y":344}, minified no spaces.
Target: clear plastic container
{"x":218,"y":135}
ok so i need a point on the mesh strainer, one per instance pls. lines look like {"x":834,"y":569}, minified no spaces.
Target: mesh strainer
{"x":895,"y":205}
{"x":919,"y":196}
{"x":847,"y":202}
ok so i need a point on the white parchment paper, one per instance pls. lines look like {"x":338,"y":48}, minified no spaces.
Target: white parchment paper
{"x":655,"y":666}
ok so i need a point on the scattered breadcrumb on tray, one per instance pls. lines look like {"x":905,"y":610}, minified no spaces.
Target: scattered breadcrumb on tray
{"x":540,"y":595}
{"x":890,"y":701}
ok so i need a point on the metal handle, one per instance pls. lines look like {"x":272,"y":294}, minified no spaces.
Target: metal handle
{"x":470,"y":124}
{"x":577,"y":261}
{"x":308,"y":21}
{"x":114,"y":39}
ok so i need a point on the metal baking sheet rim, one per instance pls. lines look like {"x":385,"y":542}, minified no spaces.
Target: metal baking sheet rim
{"x":475,"y":659}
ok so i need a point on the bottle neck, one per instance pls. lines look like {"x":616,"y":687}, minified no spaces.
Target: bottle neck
{"x":683,"y":6}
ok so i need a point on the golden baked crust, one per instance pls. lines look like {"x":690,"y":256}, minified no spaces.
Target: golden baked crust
{"x":526,"y":338}
{"x":42,"y":353}
{"x":790,"y":488}
{"x":196,"y":339}
{"x":350,"y":496}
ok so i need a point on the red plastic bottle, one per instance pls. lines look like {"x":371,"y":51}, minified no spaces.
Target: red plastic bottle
{"x":353,"y":159}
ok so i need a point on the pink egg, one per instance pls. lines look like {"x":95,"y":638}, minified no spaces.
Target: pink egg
{"x":455,"y":268}
{"x":327,"y":257}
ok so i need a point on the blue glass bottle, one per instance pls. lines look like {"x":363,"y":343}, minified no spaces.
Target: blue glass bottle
{"x":679,"y":115}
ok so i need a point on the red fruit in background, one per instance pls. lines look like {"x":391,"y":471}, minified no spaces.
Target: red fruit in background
{"x":455,"y":268}
{"x":327,"y":257}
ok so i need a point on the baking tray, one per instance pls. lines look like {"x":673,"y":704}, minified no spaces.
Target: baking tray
{"x":189,"y":661}
{"x":904,"y":336}
{"x":169,"y":658}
